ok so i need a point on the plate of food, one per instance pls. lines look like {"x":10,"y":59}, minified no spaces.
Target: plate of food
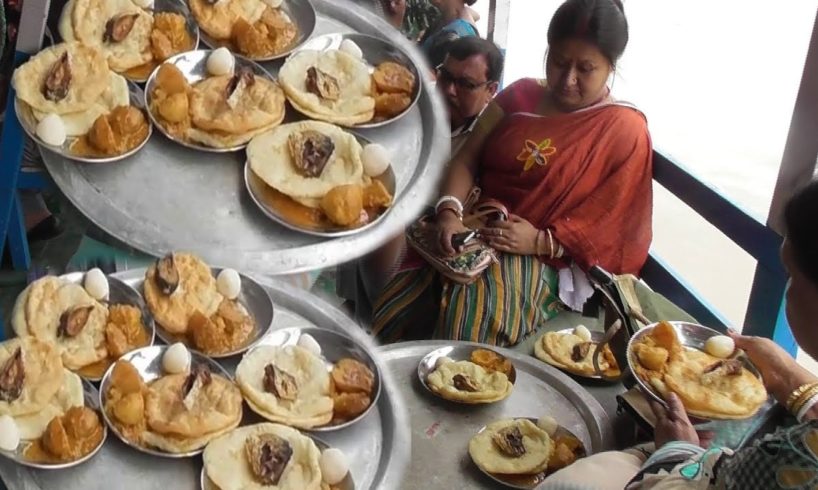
{"x":168,"y":401}
{"x":70,"y":102}
{"x":213,"y":101}
{"x":380,"y":82}
{"x":135,"y":36}
{"x":314,"y":177}
{"x":464,"y":374}
{"x":275,"y":456}
{"x":89,"y":318}
{"x":260,"y":30}
{"x":713,"y":380}
{"x":522,"y":452}
{"x":215,"y":312}
{"x":49,"y":417}
{"x":572,"y":350}
{"x":309,"y":378}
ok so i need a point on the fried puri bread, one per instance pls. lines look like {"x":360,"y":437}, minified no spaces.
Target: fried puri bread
{"x":217,"y":19}
{"x":288,"y":384}
{"x":79,"y":74}
{"x":273,"y":159}
{"x":44,"y":309}
{"x":708,"y":387}
{"x":466,"y":382}
{"x":69,"y":394}
{"x":235,"y":462}
{"x":511,"y":447}
{"x":30,"y":375}
{"x":195,"y":291}
{"x":571,"y":353}
{"x":119,"y":28}
{"x":331,"y":86}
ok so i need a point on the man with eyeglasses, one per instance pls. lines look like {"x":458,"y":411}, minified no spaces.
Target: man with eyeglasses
{"x":468,"y":79}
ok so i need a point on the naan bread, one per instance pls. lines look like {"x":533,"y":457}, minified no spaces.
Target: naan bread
{"x":176,"y":444}
{"x":312,"y":405}
{"x":260,"y":105}
{"x":37,"y":313}
{"x":487,"y":455}
{"x":217,"y":19}
{"x":43,"y":375}
{"x":270,"y":160}
{"x":215,"y":407}
{"x":226,"y":464}
{"x":491,"y":387}
{"x":355,"y":103}
{"x":223,"y":140}
{"x":70,"y":394}
{"x":85,"y":21}
{"x":90,"y":76}
{"x":196,"y":292}
{"x":557,"y":349}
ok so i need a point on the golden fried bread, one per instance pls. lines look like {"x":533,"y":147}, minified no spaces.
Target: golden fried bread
{"x":466,"y":382}
{"x":571,"y":353}
{"x":511,"y":447}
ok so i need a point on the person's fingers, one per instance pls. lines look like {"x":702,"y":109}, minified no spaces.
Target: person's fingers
{"x":446,"y":242}
{"x":501,"y":243}
{"x":741,"y":341}
{"x":505,"y":225}
{"x":658,"y":410}
{"x":706,"y":438}
{"x":675,"y":408}
{"x":515,"y":218}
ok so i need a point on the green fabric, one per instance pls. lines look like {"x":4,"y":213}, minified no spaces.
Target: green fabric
{"x":657,"y":308}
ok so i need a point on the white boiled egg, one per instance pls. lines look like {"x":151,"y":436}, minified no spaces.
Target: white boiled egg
{"x":720,"y":346}
{"x":582,"y":332}
{"x":375,"y":159}
{"x":349,"y":47}
{"x":443,"y":360}
{"x":51,"y":130}
{"x":176,"y":359}
{"x":229,"y":283}
{"x":548,"y":424}
{"x":334,"y":466}
{"x":220,"y":62}
{"x":9,"y":433}
{"x":308,"y":343}
{"x":96,"y":284}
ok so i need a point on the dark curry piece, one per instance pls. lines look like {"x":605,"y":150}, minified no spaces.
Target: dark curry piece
{"x":68,"y":437}
{"x":322,"y":84}
{"x":167,"y":276}
{"x":510,"y":441}
{"x":464,"y":383}
{"x":199,"y":376}
{"x":310,"y":151}
{"x":118,"y":27}
{"x":729,"y":367}
{"x":268,"y":455}
{"x":12,"y":377}
{"x":74,"y":320}
{"x":580,"y":351}
{"x":58,"y":79}
{"x":279,"y":383}
{"x":118,"y":132}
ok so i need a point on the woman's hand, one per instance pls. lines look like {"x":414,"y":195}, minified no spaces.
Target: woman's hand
{"x":781,"y":373}
{"x":516,"y":235}
{"x":448,"y":225}
{"x":672,"y":423}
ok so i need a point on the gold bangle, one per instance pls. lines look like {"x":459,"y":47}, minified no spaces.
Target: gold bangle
{"x":804,"y":398}
{"x":797,"y":394}
{"x":550,"y":243}
{"x":537,"y":243}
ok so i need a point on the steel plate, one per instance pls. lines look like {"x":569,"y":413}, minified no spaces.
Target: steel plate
{"x":691,"y":336}
{"x":148,"y":362}
{"x":530,"y":482}
{"x":257,"y":188}
{"x":596,"y":336}
{"x":119,"y":293}
{"x":300,"y":12}
{"x":169,"y":197}
{"x":378,"y":447}
{"x":441,"y":431}
{"x":193,"y":65}
{"x":375,"y":51}
{"x":455,"y":352}
{"x":253,"y":297}
{"x":334,"y":347}
{"x":91,"y":397}
{"x":29,"y":125}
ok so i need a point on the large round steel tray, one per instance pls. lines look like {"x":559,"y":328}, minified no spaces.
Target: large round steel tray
{"x":377,"y":447}
{"x":441,"y":430}
{"x":168,"y":197}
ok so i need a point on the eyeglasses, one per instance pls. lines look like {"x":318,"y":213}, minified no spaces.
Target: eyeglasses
{"x":445,"y":78}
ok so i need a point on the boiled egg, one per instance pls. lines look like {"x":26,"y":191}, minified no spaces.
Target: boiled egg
{"x":176,"y":359}
{"x":220,"y":62}
{"x":51,"y":130}
{"x":720,"y":346}
{"x":96,"y":284}
{"x":443,"y":360}
{"x":334,"y":466}
{"x":308,"y":343}
{"x":228,"y":283}
{"x":9,"y":433}
{"x":349,"y":47}
{"x":582,"y":332}
{"x":375,"y":159}
{"x":548,"y":424}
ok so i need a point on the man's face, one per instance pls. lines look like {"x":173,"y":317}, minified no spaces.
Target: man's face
{"x":464,"y":85}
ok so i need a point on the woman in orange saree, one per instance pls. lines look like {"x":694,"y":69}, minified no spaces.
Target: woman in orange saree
{"x":573,"y":168}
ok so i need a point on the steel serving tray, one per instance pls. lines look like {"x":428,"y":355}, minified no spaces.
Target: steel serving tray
{"x":168,"y":197}
{"x":378,"y":447}
{"x":455,"y":352}
{"x":441,"y":430}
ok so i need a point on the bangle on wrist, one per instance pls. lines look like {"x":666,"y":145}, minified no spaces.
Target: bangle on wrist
{"x":799,"y":396}
{"x":449,"y":202}
{"x":808,"y":404}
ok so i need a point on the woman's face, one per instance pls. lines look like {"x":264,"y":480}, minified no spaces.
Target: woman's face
{"x":802,"y":303}
{"x":577,"y":73}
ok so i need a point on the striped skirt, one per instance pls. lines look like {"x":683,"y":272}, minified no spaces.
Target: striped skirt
{"x":504,"y":305}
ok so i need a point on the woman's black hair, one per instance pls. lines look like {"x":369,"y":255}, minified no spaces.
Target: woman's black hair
{"x":801,"y":222}
{"x":601,"y":22}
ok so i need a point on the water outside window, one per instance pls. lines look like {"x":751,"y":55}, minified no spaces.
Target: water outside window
{"x":717,"y":81}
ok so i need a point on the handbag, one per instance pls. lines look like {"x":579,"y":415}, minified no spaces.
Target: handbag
{"x":475,"y":257}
